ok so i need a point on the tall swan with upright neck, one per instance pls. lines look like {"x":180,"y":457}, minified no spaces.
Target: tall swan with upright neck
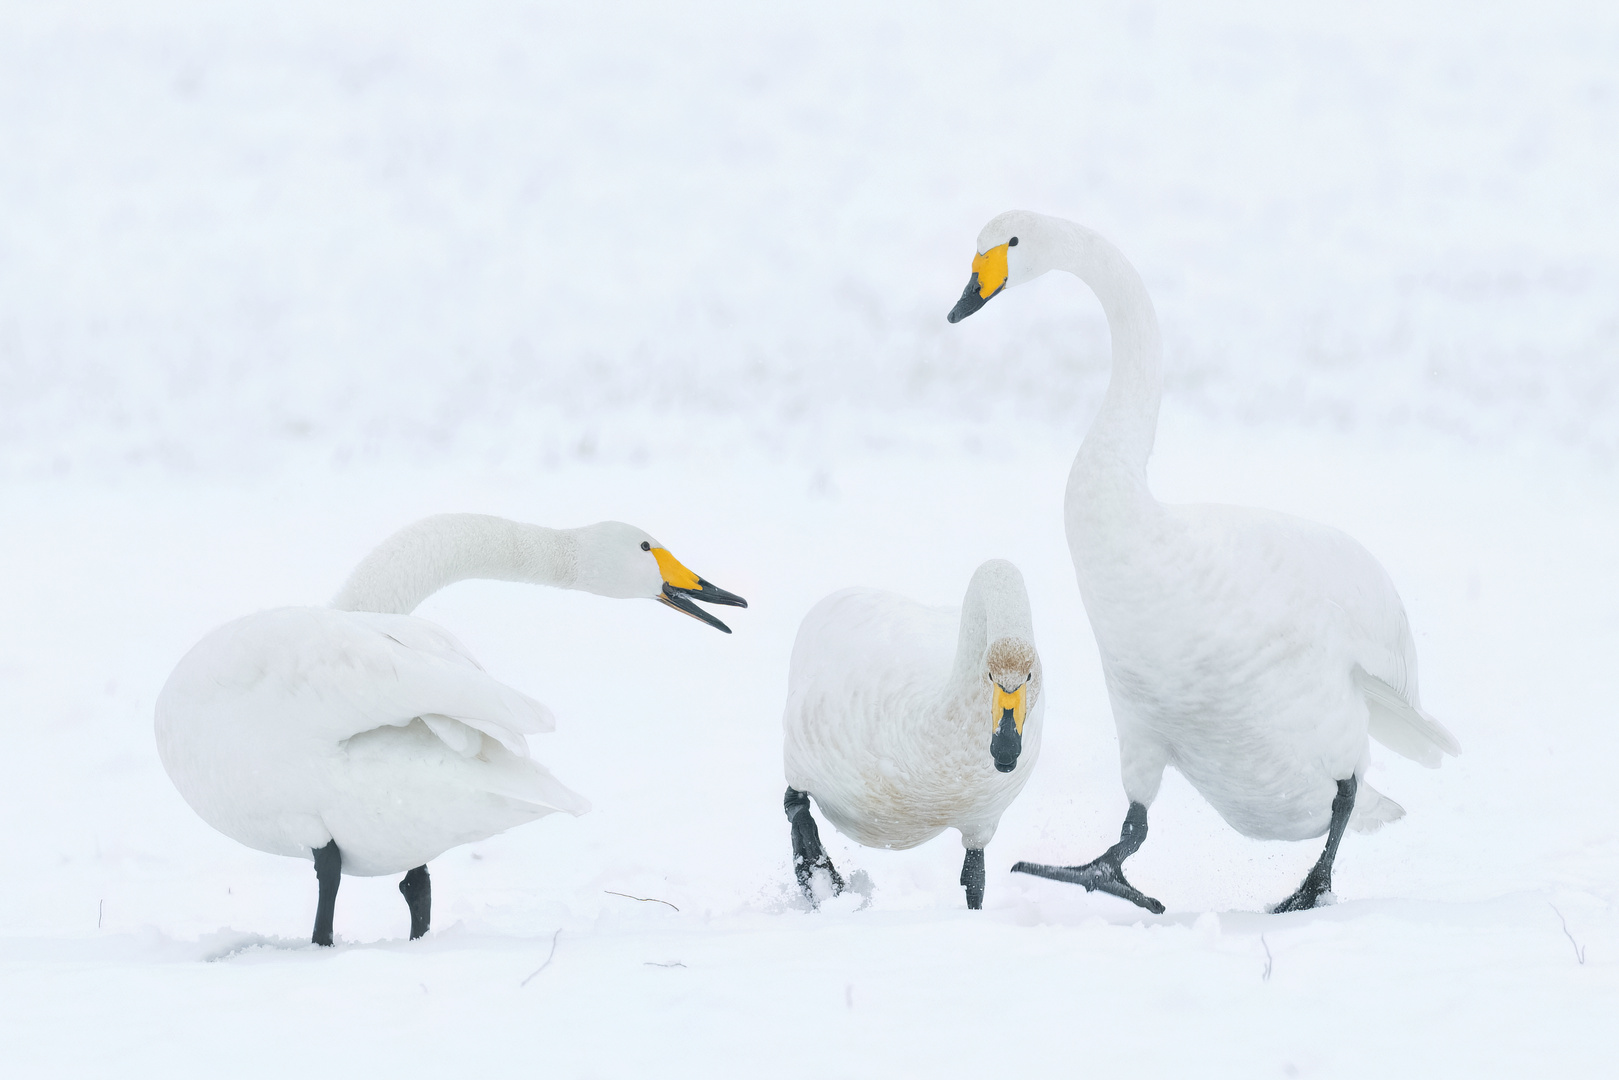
{"x":1253,"y":651}
{"x":904,"y":720}
{"x":368,"y":739}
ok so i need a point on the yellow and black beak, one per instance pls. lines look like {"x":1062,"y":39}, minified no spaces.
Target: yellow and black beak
{"x":679,"y":584}
{"x":989,"y":278}
{"x":1007,"y":723}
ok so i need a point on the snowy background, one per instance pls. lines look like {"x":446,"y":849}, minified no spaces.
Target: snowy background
{"x":276,"y":279}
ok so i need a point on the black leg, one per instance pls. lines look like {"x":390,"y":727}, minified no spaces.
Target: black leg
{"x":1319,"y":879}
{"x":1106,"y":874}
{"x":972,"y":876}
{"x":328,"y":875}
{"x":808,"y":855}
{"x":417,"y":889}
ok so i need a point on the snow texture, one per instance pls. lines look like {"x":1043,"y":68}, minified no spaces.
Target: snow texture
{"x":276,"y":279}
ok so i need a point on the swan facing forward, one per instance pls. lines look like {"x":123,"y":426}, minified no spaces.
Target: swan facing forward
{"x":1253,"y":651}
{"x":369,"y":739}
{"x":904,"y":720}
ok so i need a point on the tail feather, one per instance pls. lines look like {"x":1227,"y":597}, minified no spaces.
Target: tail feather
{"x":1402,"y":726}
{"x":1373,"y":809}
{"x":532,"y":784}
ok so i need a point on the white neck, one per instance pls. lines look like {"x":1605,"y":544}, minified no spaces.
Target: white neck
{"x":420,"y":559}
{"x":996,"y":606}
{"x":1120,"y":439}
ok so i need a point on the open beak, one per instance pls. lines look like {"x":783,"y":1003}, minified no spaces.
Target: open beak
{"x":675,"y":597}
{"x":1007,"y":742}
{"x":988,"y":280}
{"x":681,"y":586}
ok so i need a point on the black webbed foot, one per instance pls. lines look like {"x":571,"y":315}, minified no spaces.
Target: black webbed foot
{"x":1101,"y":875}
{"x":1318,"y":881}
{"x":808,"y":855}
{"x":805,"y":872}
{"x":1106,"y":874}
{"x":1307,"y":895}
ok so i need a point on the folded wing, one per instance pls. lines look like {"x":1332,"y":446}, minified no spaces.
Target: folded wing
{"x":395,"y":668}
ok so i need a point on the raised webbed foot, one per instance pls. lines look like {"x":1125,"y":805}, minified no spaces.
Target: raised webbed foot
{"x":1102,"y":875}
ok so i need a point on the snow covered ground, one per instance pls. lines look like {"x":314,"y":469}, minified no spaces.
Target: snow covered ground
{"x":276,"y":279}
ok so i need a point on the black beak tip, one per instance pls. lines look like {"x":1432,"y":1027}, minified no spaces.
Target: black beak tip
{"x":1006,"y":744}
{"x":971,"y":300}
{"x":713,"y":594}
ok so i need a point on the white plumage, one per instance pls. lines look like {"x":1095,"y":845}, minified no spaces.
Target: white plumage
{"x":1253,"y":651}
{"x":892,"y":723}
{"x":1241,"y":647}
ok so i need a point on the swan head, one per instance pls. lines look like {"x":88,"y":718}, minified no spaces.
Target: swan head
{"x":621,"y":561}
{"x":1012,"y":249}
{"x":1013,"y":668}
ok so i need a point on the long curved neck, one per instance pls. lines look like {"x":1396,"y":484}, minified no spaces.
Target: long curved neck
{"x":420,"y":559}
{"x":996,"y":606}
{"x":1120,"y":439}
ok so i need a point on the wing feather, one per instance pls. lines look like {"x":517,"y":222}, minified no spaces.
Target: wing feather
{"x":436,"y":679}
{"x":347,"y":672}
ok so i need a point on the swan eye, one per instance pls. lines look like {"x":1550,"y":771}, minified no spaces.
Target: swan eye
{"x":1012,"y":242}
{"x":646,"y":546}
